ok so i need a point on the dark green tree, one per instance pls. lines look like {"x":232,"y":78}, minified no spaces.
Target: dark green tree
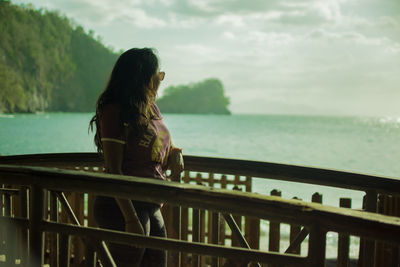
{"x":205,"y":97}
{"x":46,"y":63}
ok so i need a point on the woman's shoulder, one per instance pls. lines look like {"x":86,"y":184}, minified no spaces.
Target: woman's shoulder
{"x":156,"y":110}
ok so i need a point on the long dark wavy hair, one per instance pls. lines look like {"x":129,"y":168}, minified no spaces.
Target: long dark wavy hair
{"x":133,"y":87}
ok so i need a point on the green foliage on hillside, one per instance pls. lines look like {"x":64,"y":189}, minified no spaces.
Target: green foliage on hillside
{"x":47,"y":63}
{"x":206,"y":97}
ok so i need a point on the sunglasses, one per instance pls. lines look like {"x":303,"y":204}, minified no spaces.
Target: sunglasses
{"x":161,"y":75}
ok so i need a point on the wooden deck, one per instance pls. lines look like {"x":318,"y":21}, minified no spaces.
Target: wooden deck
{"x":210,"y":221}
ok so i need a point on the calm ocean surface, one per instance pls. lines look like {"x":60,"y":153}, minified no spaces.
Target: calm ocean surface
{"x":366,"y":145}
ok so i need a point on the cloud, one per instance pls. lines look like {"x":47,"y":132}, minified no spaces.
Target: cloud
{"x":382,"y":42}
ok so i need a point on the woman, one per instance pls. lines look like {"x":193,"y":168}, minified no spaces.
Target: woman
{"x":134,"y":140}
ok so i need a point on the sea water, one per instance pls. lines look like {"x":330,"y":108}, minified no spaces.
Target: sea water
{"x":356,"y":144}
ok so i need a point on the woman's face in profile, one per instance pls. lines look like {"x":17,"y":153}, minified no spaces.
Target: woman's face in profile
{"x":156,"y":80}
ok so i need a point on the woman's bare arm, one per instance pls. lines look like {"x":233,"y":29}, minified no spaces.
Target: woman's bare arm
{"x":113,"y":153}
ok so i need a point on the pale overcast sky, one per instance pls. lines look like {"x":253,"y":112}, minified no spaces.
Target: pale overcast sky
{"x":332,"y":57}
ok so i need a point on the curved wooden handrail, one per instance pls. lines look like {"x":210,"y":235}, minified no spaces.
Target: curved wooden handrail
{"x":285,"y":172}
{"x":227,"y":201}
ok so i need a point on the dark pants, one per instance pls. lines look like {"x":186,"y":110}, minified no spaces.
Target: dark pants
{"x":109,"y":216}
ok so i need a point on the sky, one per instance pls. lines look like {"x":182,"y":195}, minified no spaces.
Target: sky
{"x":318,"y":57}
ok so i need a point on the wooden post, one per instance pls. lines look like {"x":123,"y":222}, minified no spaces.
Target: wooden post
{"x":344,"y":240}
{"x":386,"y":254}
{"x":36,"y":212}
{"x":317,"y":246}
{"x":294,"y":231}
{"x":368,"y":246}
{"x":316,"y":198}
{"x":274,"y":228}
{"x":379,"y":245}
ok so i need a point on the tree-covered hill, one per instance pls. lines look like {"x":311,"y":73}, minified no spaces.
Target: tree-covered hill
{"x":47,"y":63}
{"x":202,"y":97}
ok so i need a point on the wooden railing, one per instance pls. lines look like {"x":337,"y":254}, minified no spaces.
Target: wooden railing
{"x":203,"y":203}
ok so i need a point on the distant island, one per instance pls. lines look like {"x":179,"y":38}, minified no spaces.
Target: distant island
{"x":205,"y":97}
{"x":48,"y":63}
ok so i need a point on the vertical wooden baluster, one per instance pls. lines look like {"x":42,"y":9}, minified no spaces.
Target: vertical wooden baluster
{"x":252,"y":230}
{"x":222,"y":227}
{"x":249,"y":184}
{"x":36,"y":212}
{"x":90,"y":255}
{"x":54,"y":252}
{"x":343,"y":240}
{"x":236,"y":181}
{"x":238,"y":220}
{"x":24,"y":231}
{"x":79,"y":247}
{"x":317,"y":246}
{"x":184,"y":232}
{"x":360,"y":262}
{"x":47,"y":236}
{"x":202,"y":235}
{"x":2,"y":229}
{"x":209,"y":213}
{"x":10,"y":232}
{"x":199,"y":179}
{"x":252,"y":225}
{"x":176,"y":227}
{"x":16,"y":212}
{"x":379,"y":245}
{"x":64,"y":239}
{"x":185,"y":223}
{"x":215,"y":235}
{"x":90,"y":217}
{"x":65,"y":250}
{"x":294,"y":231}
{"x":195,"y":234}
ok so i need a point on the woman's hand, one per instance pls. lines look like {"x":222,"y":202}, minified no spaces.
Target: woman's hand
{"x":175,"y":161}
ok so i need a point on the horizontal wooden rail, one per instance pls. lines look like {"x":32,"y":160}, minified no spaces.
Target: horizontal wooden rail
{"x":285,"y":172}
{"x":174,"y":245}
{"x":227,"y":201}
